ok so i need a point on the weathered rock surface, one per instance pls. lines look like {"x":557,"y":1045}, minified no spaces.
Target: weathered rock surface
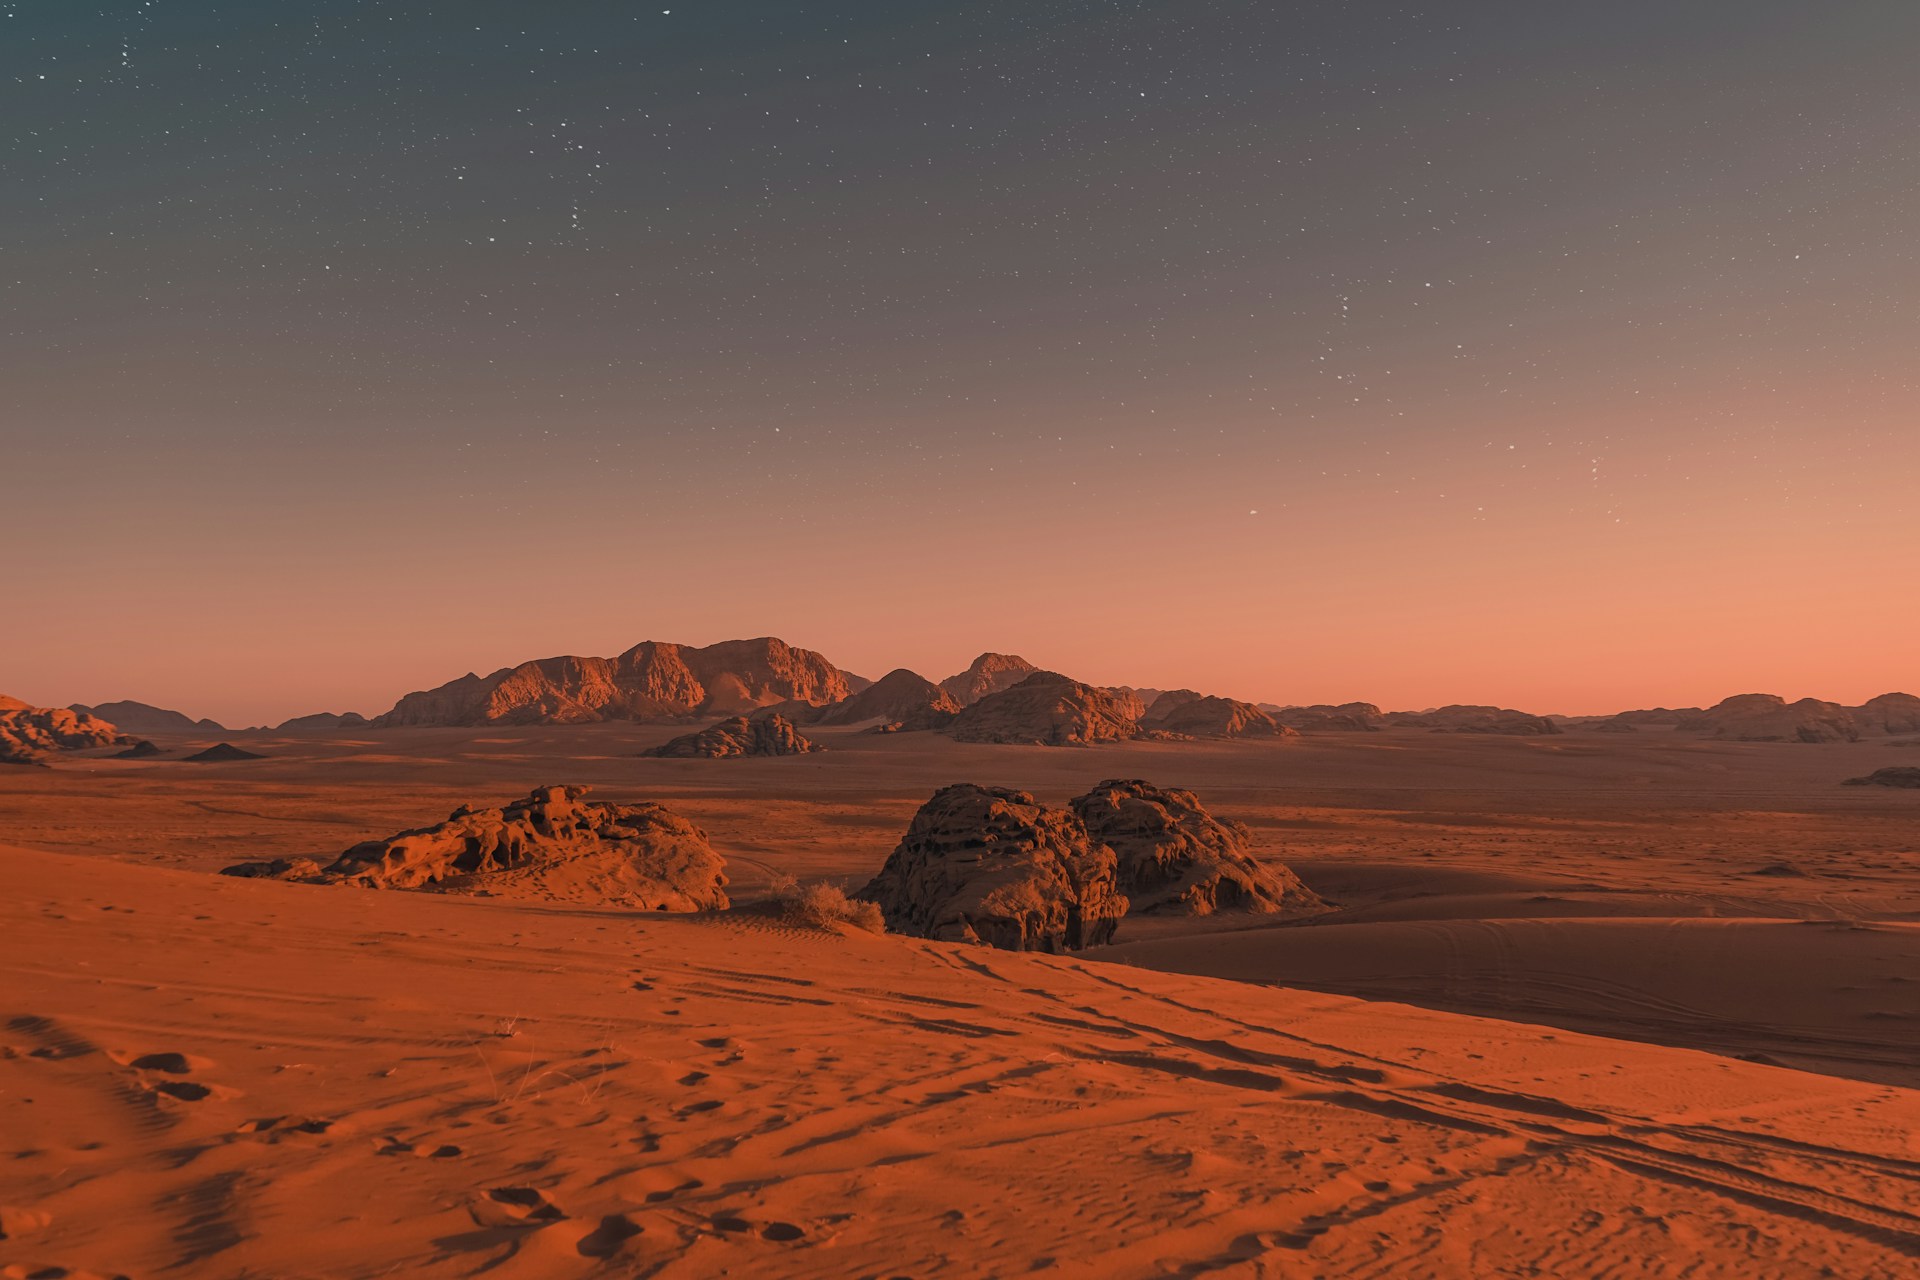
{"x":651,"y":681}
{"x":1897,"y":776}
{"x":31,"y":735}
{"x":990,"y":865}
{"x":1211,"y":717}
{"x":327,"y":720}
{"x":553,"y":844}
{"x":990,"y":673}
{"x":220,"y":753}
{"x":772,"y":735}
{"x":140,"y":717}
{"x":1766,"y":717}
{"x":1347,"y":717}
{"x":1473,"y":719}
{"x":900,"y":697}
{"x":1175,"y":858}
{"x":1046,"y":709}
{"x":1890,"y":713}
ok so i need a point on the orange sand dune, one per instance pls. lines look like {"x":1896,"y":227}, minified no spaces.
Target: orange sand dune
{"x":210,"y":1077}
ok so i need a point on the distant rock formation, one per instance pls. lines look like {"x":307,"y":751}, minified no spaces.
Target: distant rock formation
{"x":552,"y":844}
{"x":651,"y":681}
{"x":1347,"y":717}
{"x":900,"y":697}
{"x":1473,"y":719}
{"x":139,"y":717}
{"x":327,"y":720}
{"x":990,"y":673}
{"x":141,"y":750}
{"x":30,"y":735}
{"x":221,"y":753}
{"x":1897,"y":776}
{"x":1890,"y":713}
{"x":1765,"y":717}
{"x":741,"y":736}
{"x":1175,"y":858}
{"x":1215,"y":718}
{"x":990,"y":865}
{"x":1168,"y":700}
{"x":1045,"y":709}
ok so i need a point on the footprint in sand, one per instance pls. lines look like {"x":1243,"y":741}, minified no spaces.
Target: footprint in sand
{"x":778,"y":1232}
{"x":275,"y":1126}
{"x":607,"y":1239}
{"x":514,"y":1207}
{"x":393,"y":1146}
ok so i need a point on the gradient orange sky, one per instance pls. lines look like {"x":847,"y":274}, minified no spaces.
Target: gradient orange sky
{"x":1556,"y":360}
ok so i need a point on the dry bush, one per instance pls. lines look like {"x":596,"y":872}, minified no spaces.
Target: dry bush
{"x":823,"y":904}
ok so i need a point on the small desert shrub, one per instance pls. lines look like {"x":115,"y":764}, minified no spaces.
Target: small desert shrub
{"x":823,"y":904}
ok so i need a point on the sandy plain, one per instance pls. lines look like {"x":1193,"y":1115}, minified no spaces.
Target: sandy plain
{"x":1597,"y":1004}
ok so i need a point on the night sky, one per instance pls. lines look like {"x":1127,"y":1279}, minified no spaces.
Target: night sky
{"x":1562,"y":356}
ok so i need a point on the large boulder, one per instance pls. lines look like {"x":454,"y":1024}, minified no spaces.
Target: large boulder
{"x":900,"y":697}
{"x":1175,"y":858}
{"x":991,"y":865}
{"x":1046,"y":709}
{"x":31,"y":735}
{"x":651,"y":681}
{"x":772,"y":735}
{"x":1211,"y":717}
{"x":1897,"y":776}
{"x":553,"y":844}
{"x":990,"y":673}
{"x":1473,"y":719}
{"x":1766,"y":717}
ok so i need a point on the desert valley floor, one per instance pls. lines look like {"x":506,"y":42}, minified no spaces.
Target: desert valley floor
{"x":1591,"y":1005}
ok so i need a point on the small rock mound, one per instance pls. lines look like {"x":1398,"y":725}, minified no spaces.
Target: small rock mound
{"x":900,"y":697}
{"x":222,"y":752}
{"x":1898,"y":776}
{"x":550,"y":845}
{"x":1215,"y":718}
{"x":141,"y":750}
{"x":1046,"y":709}
{"x":772,"y":735}
{"x":1175,"y":858}
{"x":990,"y":865}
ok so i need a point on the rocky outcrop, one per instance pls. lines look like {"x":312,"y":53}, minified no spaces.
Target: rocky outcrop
{"x":141,"y":750}
{"x":1897,"y":776}
{"x":1890,"y":713}
{"x":221,"y":754}
{"x":1347,"y":717}
{"x":1168,"y":700}
{"x":1175,"y":858}
{"x":553,"y":844}
{"x":1046,"y":709}
{"x":900,"y":697}
{"x":31,"y":735}
{"x":772,"y":735}
{"x":990,"y":673}
{"x":990,"y":865}
{"x":1765,"y":717}
{"x":1216,"y":718}
{"x":327,"y":720}
{"x":1473,"y":719}
{"x":139,"y":717}
{"x":651,"y":681}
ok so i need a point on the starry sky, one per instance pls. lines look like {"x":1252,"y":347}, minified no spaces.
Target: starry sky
{"x":1560,"y":356}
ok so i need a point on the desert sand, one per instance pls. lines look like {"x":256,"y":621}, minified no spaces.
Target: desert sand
{"x":1587,"y":1004}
